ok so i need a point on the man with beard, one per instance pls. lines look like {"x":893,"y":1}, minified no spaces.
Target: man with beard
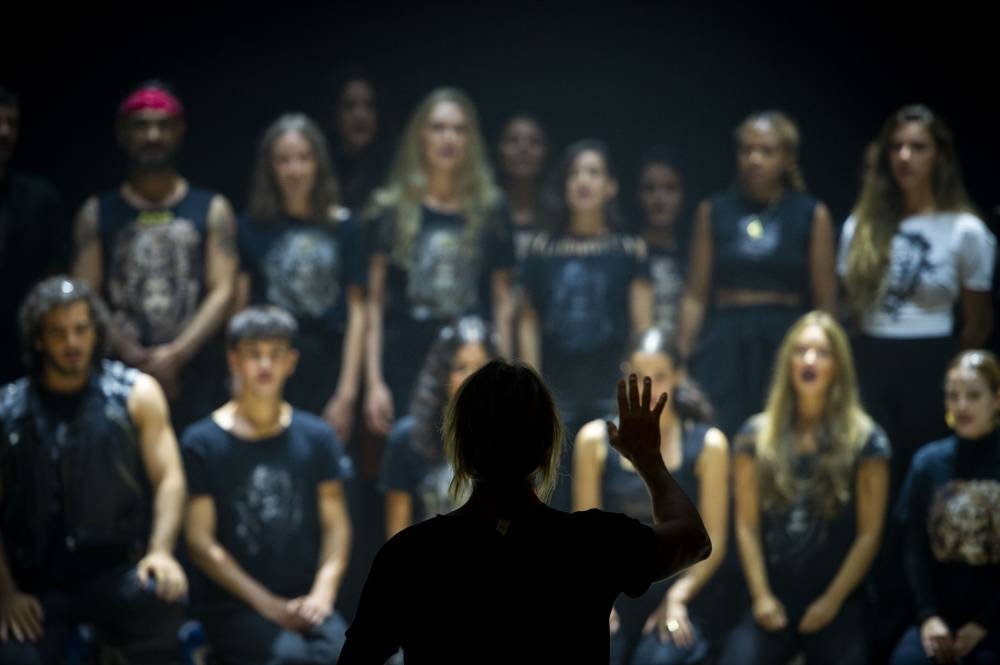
{"x":32,"y":233}
{"x":91,"y":493}
{"x":267,"y":521}
{"x":157,"y":224}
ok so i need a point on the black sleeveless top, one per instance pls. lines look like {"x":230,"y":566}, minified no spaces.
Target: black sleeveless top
{"x":762,"y":247}
{"x":623,"y":491}
{"x":154,"y":275}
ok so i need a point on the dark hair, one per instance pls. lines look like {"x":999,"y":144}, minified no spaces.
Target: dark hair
{"x":8,"y":97}
{"x":688,"y":401}
{"x":555,"y":210}
{"x":661,"y":154}
{"x":265,"y":195}
{"x":45,"y":296}
{"x":503,"y":426}
{"x":261,"y":322}
{"x":523,"y":115}
{"x":430,"y":394}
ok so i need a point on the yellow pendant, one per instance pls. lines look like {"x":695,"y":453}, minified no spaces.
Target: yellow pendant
{"x":755,"y":229}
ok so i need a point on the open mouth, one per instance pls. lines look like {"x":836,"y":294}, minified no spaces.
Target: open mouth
{"x":808,"y":375}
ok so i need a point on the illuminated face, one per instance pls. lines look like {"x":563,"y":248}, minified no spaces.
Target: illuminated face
{"x":294,"y":165}
{"x":661,"y":195}
{"x":10,"y":122}
{"x":761,"y":159}
{"x":151,"y":138}
{"x":67,"y":339}
{"x":522,"y":149}
{"x":468,"y":359}
{"x":445,"y":137}
{"x":912,"y":154}
{"x":659,"y":368}
{"x":589,"y":185}
{"x":967,"y":396}
{"x":356,"y":116}
{"x":813,"y":367}
{"x":261,"y":366}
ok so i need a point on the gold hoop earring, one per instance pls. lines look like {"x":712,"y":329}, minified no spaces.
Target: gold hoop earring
{"x":949,"y":419}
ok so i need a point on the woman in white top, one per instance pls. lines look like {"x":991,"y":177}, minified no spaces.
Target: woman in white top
{"x":910,"y":252}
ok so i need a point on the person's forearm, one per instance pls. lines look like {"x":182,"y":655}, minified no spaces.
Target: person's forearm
{"x":974,"y":334}
{"x":503,"y":320}
{"x":752,"y":558}
{"x":859,"y":558}
{"x":692,"y":316}
{"x":333,"y":563}
{"x":354,"y":350}
{"x":7,"y":583}
{"x":373,"y":346}
{"x":168,"y":510}
{"x":205,"y":322}
{"x":694,"y":580}
{"x":528,"y":338}
{"x":917,"y":564}
{"x":220,"y":567}
{"x":680,"y":531}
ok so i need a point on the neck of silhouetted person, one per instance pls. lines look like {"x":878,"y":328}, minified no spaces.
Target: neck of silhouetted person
{"x":498,"y":499}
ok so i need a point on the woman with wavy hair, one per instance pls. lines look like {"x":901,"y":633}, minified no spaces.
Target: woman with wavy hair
{"x":442,"y":248}
{"x":415,"y":474}
{"x":950,"y":509}
{"x":656,"y":628}
{"x":761,"y":255}
{"x":303,"y":252}
{"x":810,"y":482}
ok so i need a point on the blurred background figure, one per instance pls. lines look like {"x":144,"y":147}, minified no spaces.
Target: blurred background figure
{"x":522,"y":151}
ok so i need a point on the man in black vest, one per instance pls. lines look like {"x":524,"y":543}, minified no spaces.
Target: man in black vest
{"x":91,"y":493}
{"x":163,"y":256}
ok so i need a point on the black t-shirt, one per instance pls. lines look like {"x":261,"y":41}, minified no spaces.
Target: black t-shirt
{"x":265,"y":495}
{"x":537,"y":589}
{"x":407,"y":469}
{"x":579,"y":287}
{"x":34,"y":242}
{"x":950,"y":506}
{"x":803,"y":550}
{"x":666,"y":272}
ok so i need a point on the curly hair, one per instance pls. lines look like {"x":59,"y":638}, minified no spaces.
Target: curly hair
{"x":47,"y":295}
{"x":430,"y":394}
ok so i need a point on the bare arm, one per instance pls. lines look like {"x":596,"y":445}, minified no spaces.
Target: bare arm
{"x":378,"y":400}
{"x":822,"y":260}
{"x":713,"y":504}
{"x":336,"y":543}
{"x":694,"y":301}
{"x":161,"y":458}
{"x":529,"y":334}
{"x":398,"y":512}
{"x":748,"y":525}
{"x":339,"y":411}
{"x":503,"y":310}
{"x":589,"y":455}
{"x":680,"y":534}
{"x":977,"y":319}
{"x":640,"y":300}
{"x":221,"y":263}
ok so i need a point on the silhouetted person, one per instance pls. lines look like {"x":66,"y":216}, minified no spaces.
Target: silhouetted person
{"x":506,"y":577}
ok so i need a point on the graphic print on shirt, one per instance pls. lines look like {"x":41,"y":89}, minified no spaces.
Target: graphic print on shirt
{"x":909,"y":263}
{"x":579,"y":314}
{"x":801,"y":532}
{"x":964,"y":522}
{"x":443,"y":279}
{"x":155,"y":279}
{"x":267,"y":509}
{"x":667,"y":285}
{"x":758,"y":236}
{"x":303,"y":272}
{"x":433,"y":491}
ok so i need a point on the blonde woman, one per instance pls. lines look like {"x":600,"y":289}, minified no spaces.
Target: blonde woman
{"x":761,"y":255}
{"x":442,"y":248}
{"x":810,"y":481}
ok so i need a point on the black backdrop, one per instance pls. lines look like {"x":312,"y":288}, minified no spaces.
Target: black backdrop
{"x":631,"y":73}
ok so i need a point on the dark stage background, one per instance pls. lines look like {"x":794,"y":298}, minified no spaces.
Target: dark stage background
{"x":631,"y":73}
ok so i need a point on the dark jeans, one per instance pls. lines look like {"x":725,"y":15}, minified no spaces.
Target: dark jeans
{"x":128,"y":620}
{"x":239,"y":636}
{"x":842,"y":642}
{"x":910,"y":651}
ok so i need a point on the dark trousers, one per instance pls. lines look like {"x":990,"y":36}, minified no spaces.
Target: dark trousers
{"x":239,"y":636}
{"x":901,"y":388}
{"x":842,"y":642}
{"x":910,"y":651}
{"x":129,"y":621}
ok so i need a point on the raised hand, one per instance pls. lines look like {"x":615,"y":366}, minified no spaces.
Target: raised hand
{"x":637,"y":437}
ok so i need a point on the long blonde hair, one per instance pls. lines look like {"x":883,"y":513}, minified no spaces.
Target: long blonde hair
{"x":789,"y":136}
{"x":843,"y":431}
{"x":404,"y":192}
{"x":880,"y":208}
